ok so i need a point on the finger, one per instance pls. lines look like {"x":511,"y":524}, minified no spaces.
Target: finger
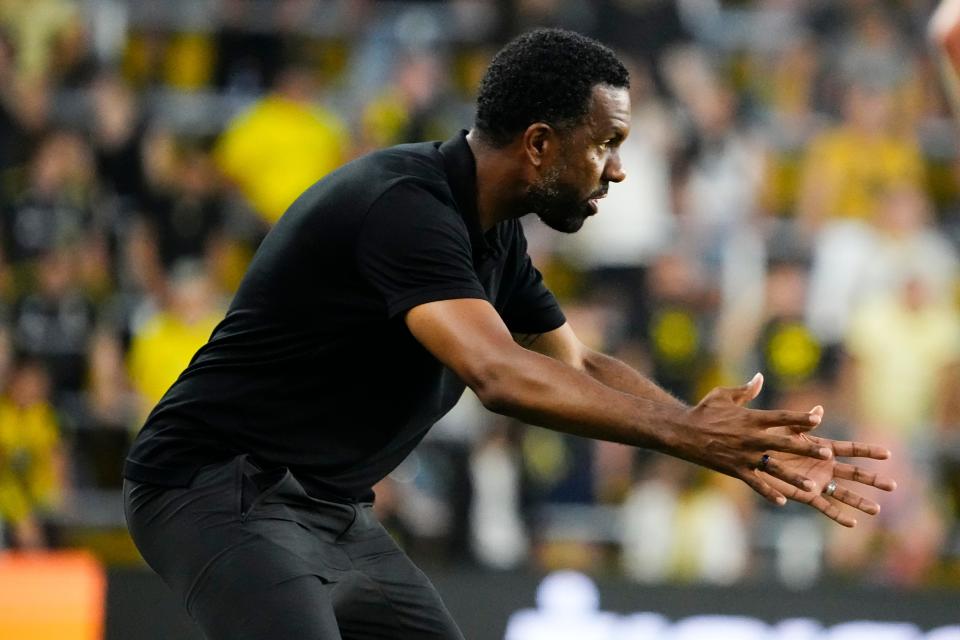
{"x":789,"y":491}
{"x":799,"y":420}
{"x":744,"y":394}
{"x":799,"y":446}
{"x":856,"y":500}
{"x":861,"y":475}
{"x":859,"y":449}
{"x":833,"y":511}
{"x":795,"y":480}
{"x":764,"y":489}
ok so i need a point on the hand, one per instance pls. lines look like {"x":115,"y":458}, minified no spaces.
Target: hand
{"x":723,"y":435}
{"x":823,"y":471}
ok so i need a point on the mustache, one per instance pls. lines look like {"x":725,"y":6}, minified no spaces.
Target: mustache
{"x":600,"y":193}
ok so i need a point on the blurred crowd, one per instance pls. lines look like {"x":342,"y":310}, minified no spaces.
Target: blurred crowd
{"x":792,"y":207}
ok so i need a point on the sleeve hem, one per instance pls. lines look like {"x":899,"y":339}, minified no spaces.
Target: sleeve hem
{"x":553,"y":321}
{"x":417,"y":298}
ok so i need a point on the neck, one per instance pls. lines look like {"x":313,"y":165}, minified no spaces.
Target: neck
{"x":499,"y":182}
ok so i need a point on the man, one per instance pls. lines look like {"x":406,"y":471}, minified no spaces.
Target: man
{"x":383,"y":291}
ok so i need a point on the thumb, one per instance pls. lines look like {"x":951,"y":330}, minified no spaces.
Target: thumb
{"x":749,"y":391}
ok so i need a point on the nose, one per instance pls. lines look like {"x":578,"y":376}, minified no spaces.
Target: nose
{"x":613,"y":170}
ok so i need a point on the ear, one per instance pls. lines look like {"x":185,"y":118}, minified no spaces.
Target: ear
{"x":540,"y":142}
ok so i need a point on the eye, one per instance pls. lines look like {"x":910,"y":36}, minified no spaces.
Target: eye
{"x":613,"y":142}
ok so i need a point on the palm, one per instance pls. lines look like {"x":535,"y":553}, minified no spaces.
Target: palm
{"x":821,"y":472}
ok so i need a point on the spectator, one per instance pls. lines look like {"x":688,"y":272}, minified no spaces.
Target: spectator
{"x":31,"y":455}
{"x":900,"y":344}
{"x":187,"y":217}
{"x":282,"y":144}
{"x":118,"y":129}
{"x":786,"y":88}
{"x":848,"y":166}
{"x":853,"y":259}
{"x":777,"y":341}
{"x":54,"y":323}
{"x":413,"y":108}
{"x":719,"y":172}
{"x":163,"y":346}
{"x":110,"y":409}
{"x":676,"y":332}
{"x":56,"y":206}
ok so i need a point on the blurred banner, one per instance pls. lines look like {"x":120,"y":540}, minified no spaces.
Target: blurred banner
{"x":498,"y":606}
{"x":51,"y":596}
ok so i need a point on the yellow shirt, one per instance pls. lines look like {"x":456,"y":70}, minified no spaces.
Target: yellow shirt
{"x":901,"y":355}
{"x":384,"y":118}
{"x":277,"y":149}
{"x":162,"y":350}
{"x":29,"y":442}
{"x":854,"y":170}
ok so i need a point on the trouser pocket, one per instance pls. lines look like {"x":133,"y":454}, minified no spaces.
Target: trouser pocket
{"x":257,"y":485}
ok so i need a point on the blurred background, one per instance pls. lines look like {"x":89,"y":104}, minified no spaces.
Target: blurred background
{"x":792,"y":207}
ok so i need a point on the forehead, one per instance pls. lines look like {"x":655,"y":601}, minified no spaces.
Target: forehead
{"x":609,"y":108}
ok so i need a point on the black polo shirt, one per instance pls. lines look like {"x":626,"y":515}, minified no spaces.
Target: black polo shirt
{"x":313,"y":367}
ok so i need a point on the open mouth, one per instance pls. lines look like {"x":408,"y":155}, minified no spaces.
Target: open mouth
{"x":594,"y":201}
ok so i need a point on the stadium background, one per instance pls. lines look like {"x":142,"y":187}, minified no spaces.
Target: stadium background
{"x":791,"y":207}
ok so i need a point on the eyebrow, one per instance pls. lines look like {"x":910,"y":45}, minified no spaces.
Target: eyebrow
{"x":618,"y":133}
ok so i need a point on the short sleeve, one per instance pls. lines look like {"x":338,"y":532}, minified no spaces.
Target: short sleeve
{"x":531,"y":307}
{"x":415,"y":249}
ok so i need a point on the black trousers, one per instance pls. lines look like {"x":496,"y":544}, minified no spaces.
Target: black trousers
{"x":252,"y":556}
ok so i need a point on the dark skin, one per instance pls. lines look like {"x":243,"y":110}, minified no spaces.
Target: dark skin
{"x":553,"y":380}
{"x":585,"y":159}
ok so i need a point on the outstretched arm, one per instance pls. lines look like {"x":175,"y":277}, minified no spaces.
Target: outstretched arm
{"x":559,"y":384}
{"x":469,"y":337}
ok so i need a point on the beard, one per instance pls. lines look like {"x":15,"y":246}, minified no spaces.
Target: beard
{"x":558,"y":205}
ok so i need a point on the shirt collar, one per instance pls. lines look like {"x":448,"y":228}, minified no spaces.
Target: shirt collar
{"x":461,"y":170}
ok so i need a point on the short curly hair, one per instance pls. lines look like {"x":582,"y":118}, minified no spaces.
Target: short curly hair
{"x":546,"y":75}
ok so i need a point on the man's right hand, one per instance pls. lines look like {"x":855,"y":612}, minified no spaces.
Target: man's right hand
{"x":770,"y":451}
{"x":722,"y":434}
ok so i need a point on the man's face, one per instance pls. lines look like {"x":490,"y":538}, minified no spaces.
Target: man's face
{"x":567,"y":190}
